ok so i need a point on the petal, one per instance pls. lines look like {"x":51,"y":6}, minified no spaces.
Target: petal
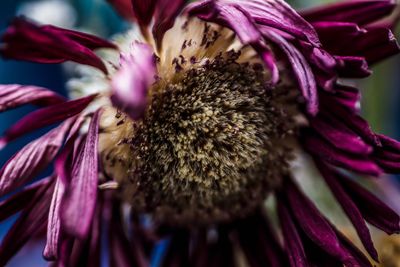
{"x":18,"y":201}
{"x":24,"y":40}
{"x":350,"y":209}
{"x":314,"y":225}
{"x":144,"y":11}
{"x":29,"y":223}
{"x":339,"y":136}
{"x":45,"y":117}
{"x":373,"y":210}
{"x":352,"y":67}
{"x":80,"y":199}
{"x":301,"y":69}
{"x":259,"y":243}
{"x":32,"y":159}
{"x":166,"y":13}
{"x":324,"y":150}
{"x":293,"y":244}
{"x":51,"y":249}
{"x":133,"y":80}
{"x":90,"y":41}
{"x":15,"y":95}
{"x":360,"y":11}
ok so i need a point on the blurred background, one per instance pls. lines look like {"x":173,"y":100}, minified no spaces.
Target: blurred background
{"x":381,"y":92}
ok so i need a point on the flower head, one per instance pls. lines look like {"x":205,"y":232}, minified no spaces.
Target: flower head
{"x":187,"y":124}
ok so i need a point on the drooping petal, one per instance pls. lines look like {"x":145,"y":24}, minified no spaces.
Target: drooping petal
{"x":359,"y":11}
{"x":314,"y":225}
{"x":80,"y":199}
{"x":131,"y":83}
{"x":350,"y":209}
{"x":293,"y":244}
{"x":33,"y":158}
{"x":373,"y":209}
{"x":260,"y":245}
{"x":31,"y":221}
{"x":165,"y":15}
{"x":51,"y":249}
{"x":15,"y":95}
{"x":301,"y":70}
{"x":19,"y":200}
{"x":327,"y":152}
{"x":45,"y":117}
{"x":144,"y":11}
{"x":387,"y":156}
{"x":339,"y":136}
{"x":178,"y":250}
{"x":24,"y":40}
{"x":273,"y":13}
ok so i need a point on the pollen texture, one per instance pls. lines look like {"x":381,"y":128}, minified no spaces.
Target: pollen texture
{"x":210,"y":147}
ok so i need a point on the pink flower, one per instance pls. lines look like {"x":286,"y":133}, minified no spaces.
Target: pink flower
{"x":197,"y":123}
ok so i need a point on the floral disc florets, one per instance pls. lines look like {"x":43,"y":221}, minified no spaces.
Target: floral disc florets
{"x":210,"y":145}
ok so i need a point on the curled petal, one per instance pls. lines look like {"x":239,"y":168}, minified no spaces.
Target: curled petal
{"x":357,"y":163}
{"x":373,"y":210}
{"x":53,"y":224}
{"x":352,"y":67}
{"x":340,"y":136}
{"x":17,"y":202}
{"x":133,"y":80}
{"x":350,"y":209}
{"x":359,"y":11}
{"x":29,"y":223}
{"x":32,"y":159}
{"x":293,"y":243}
{"x":301,"y":69}
{"x":15,"y":95}
{"x":80,"y":199}
{"x":314,"y":225}
{"x":45,"y":117}
{"x":165,"y":16}
{"x":24,"y":40}
{"x":144,"y":10}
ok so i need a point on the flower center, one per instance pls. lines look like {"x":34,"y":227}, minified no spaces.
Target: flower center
{"x":209,"y":148}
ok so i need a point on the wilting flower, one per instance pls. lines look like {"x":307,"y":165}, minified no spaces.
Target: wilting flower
{"x":190,"y":122}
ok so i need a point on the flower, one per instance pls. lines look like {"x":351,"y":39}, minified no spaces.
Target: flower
{"x":185,"y":125}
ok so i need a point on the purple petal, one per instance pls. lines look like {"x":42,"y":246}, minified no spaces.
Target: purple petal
{"x":123,"y":252}
{"x":51,"y":249}
{"x":337,"y":108}
{"x":373,"y":210}
{"x":15,"y":95}
{"x":133,"y":80}
{"x":18,"y":201}
{"x":29,"y":223}
{"x":324,"y":150}
{"x":24,"y":40}
{"x":79,"y":203}
{"x":90,"y":41}
{"x":350,"y":208}
{"x":360,"y":11}
{"x":32,"y":159}
{"x":387,"y":156}
{"x":352,"y":67}
{"x":259,"y":243}
{"x":178,"y":250}
{"x":314,"y":225}
{"x":123,"y":8}
{"x":144,"y":11}
{"x":293,"y":244}
{"x":301,"y":69}
{"x":339,"y":136}
{"x":45,"y":117}
{"x":166,"y":13}
{"x":359,"y":257}
{"x":275,"y":14}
